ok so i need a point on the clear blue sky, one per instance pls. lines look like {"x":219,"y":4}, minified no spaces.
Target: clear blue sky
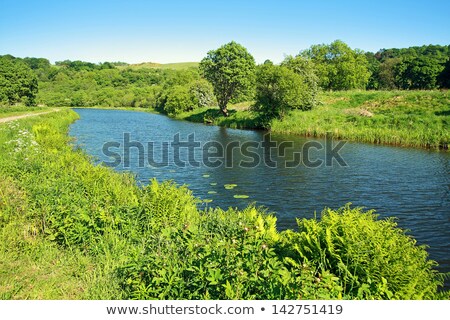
{"x":174,"y":31}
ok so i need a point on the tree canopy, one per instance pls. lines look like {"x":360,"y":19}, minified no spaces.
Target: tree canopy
{"x":18,"y":83}
{"x":338,"y":66}
{"x":291,"y":85}
{"x":228,"y":73}
{"x":231,"y":71}
{"x":410,"y":68}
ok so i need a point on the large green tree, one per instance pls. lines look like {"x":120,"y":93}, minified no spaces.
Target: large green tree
{"x":231,"y":71}
{"x":420,"y":73}
{"x":338,"y":66}
{"x":18,"y":83}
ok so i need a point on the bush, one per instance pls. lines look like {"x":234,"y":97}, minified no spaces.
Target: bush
{"x":179,"y":99}
{"x":218,"y":255}
{"x":202,"y":92}
{"x":373,"y":259}
{"x":280,"y":89}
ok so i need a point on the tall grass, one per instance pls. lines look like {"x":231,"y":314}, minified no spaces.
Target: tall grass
{"x":401,"y":118}
{"x":405,"y":118}
{"x":72,"y":230}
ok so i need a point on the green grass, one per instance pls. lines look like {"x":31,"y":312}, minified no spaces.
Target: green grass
{"x":174,"y":66}
{"x":401,"y":118}
{"x":8,"y":111}
{"x":73,"y":230}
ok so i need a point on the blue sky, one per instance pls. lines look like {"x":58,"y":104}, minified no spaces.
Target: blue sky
{"x":175,"y":31}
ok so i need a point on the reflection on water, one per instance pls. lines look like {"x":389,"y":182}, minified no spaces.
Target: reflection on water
{"x":410,"y":184}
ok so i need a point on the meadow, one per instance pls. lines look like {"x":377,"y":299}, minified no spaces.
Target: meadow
{"x":73,"y":230}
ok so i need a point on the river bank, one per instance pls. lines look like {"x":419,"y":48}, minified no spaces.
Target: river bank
{"x":72,"y":230}
{"x":419,"y":119}
{"x":399,"y":118}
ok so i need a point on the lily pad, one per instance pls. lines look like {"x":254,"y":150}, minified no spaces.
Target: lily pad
{"x":213,"y":184}
{"x":206,"y":176}
{"x":240,"y":196}
{"x":230,"y":186}
{"x":207,"y":200}
{"x":212,"y":192}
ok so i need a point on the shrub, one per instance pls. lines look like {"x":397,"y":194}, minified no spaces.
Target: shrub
{"x":280,"y":89}
{"x":179,"y":99}
{"x":372,"y":258}
{"x":203,"y":93}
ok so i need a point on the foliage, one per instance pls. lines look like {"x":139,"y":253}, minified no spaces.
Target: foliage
{"x":18,"y":83}
{"x":203,"y":92}
{"x":231,"y":71}
{"x":338,"y":66}
{"x":401,"y":118}
{"x":179,"y":99}
{"x":409,"y":68}
{"x":280,"y":89}
{"x":419,"y":73}
{"x":371,"y":258}
{"x":388,"y":75}
{"x":444,"y":77}
{"x":307,"y":70}
{"x":97,"y":235}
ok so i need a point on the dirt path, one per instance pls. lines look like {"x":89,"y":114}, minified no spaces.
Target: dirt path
{"x":12,"y":118}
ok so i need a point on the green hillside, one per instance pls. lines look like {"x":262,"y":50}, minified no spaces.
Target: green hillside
{"x":174,"y":66}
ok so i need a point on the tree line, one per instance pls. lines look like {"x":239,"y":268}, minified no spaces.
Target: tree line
{"x":227,"y":74}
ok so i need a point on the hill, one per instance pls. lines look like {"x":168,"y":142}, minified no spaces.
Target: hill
{"x":153,"y":65}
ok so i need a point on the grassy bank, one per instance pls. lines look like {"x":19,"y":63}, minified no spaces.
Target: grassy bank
{"x":8,"y":111}
{"x":72,"y":230}
{"x":401,"y":118}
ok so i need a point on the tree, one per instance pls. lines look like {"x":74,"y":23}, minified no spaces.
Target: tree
{"x":338,"y":66}
{"x":307,"y":70}
{"x":18,"y":83}
{"x":374,"y":68}
{"x":203,"y":92}
{"x":179,"y":99}
{"x":420,"y":73}
{"x":444,"y":77}
{"x":280,"y":89}
{"x":231,"y":71}
{"x":388,"y":73}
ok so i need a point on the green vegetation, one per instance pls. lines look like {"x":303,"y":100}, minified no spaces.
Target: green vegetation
{"x":18,"y":83}
{"x":231,"y":71}
{"x":273,"y":98}
{"x":69,"y":229}
{"x":279,"y":89}
{"x":425,"y":67}
{"x":8,"y":111}
{"x":401,"y":118}
{"x":338,"y":66}
{"x":173,"y":66}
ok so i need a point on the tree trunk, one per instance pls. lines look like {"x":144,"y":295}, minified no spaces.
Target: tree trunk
{"x":224,"y":111}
